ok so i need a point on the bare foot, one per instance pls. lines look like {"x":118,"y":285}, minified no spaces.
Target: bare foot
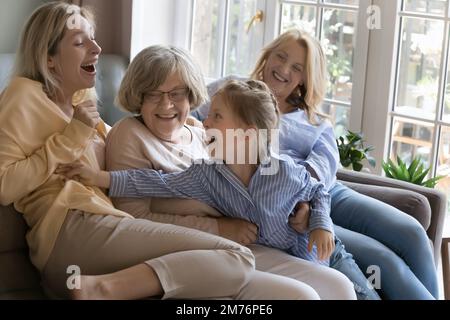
{"x":91,"y":288}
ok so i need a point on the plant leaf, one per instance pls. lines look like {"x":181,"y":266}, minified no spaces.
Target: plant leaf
{"x":413,"y":166}
{"x":357,"y":166}
{"x":419,"y":179}
{"x":431,"y":183}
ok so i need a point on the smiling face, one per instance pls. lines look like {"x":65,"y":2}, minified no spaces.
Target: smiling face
{"x":220,"y":119}
{"x":165,"y":119}
{"x":284,"y":69}
{"x":75,"y":59}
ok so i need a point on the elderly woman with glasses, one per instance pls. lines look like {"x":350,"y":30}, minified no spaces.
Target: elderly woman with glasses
{"x":159,"y":87}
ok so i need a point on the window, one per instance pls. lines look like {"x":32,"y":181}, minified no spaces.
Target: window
{"x":222,"y":40}
{"x":420,"y":114}
{"x":224,"y":44}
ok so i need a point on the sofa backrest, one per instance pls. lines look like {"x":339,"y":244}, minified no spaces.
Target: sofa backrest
{"x":19,"y":279}
{"x":110,"y":71}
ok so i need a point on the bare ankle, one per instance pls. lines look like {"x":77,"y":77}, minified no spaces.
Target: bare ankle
{"x":92,"y":288}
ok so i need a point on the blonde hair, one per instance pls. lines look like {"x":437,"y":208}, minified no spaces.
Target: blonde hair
{"x":40,"y":38}
{"x":311,"y":94}
{"x":253,"y":103}
{"x":151,"y":67}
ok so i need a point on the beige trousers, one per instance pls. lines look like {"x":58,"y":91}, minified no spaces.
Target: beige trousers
{"x":287,"y":275}
{"x":189,"y":263}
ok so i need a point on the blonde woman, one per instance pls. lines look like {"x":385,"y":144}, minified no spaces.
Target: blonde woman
{"x":47,"y":118}
{"x":294,"y":67}
{"x":160,"y":86}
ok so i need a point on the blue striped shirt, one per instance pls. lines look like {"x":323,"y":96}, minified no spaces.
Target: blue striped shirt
{"x":310,"y":145}
{"x":267,"y":202}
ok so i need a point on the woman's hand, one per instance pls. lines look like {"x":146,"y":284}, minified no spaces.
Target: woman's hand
{"x":87,"y":113}
{"x":238,"y":230}
{"x":324,"y":241}
{"x":84,"y":174}
{"x":300,"y":220}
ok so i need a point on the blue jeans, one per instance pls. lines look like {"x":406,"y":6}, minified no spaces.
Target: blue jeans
{"x":380,"y":235}
{"x":343,"y":261}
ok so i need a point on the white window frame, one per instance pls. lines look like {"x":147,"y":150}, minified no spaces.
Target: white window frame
{"x":380,"y":80}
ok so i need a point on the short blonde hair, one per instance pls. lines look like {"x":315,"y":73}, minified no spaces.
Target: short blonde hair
{"x":311,"y":94}
{"x":40,"y":38}
{"x":252,"y":102}
{"x":151,"y":67}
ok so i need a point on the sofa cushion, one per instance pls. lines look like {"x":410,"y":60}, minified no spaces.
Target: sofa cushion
{"x":110,"y":71}
{"x":12,"y":230}
{"x":18,"y":277}
{"x":410,"y":202}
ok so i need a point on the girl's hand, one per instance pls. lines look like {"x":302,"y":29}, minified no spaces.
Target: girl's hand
{"x":238,"y":230}
{"x":87,"y":113}
{"x":84,"y":174}
{"x":300,"y":220}
{"x":77,"y":171}
{"x":324,"y":241}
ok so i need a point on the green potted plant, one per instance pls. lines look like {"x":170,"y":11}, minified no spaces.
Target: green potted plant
{"x":352,"y":151}
{"x":414,"y":173}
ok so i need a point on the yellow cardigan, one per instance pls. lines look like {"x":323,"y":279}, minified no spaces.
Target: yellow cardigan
{"x":35,"y":137}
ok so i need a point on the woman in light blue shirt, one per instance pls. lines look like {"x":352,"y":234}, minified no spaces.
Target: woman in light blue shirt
{"x":293,"y":66}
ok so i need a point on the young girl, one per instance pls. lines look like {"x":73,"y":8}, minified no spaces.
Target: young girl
{"x":264,"y":192}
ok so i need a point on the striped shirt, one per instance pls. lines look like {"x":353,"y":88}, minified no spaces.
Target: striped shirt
{"x":267,"y":202}
{"x":308,"y":144}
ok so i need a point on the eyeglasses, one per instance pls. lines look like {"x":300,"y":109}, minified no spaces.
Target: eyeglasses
{"x":175,"y":95}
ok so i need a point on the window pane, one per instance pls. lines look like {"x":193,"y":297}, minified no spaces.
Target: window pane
{"x":420,"y":62}
{"x":411,"y":138}
{"x":339,"y":117}
{"x":207,"y":35}
{"x":298,"y":16}
{"x":426,"y":6}
{"x":338,"y":38}
{"x":443,"y":168}
{"x":348,"y":2}
{"x":242,"y":51}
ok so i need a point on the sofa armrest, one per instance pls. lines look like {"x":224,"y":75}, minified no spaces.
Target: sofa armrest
{"x":437,"y":199}
{"x":410,"y":202}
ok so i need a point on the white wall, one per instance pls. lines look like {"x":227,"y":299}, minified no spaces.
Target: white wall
{"x":159,"y":19}
{"x":13,"y":14}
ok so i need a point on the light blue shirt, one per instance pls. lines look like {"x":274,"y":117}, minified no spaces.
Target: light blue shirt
{"x":310,"y":145}
{"x":267,"y":202}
